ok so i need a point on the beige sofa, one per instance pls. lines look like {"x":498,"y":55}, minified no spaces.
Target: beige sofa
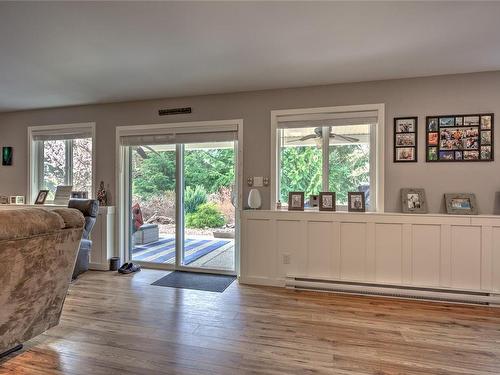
{"x":38,"y":250}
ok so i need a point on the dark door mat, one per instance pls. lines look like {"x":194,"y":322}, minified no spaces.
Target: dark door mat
{"x":198,"y":281}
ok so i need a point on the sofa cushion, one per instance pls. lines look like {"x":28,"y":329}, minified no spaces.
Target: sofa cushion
{"x":27,"y":222}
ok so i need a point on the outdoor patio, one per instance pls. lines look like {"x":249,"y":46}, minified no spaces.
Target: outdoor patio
{"x":200,"y":251}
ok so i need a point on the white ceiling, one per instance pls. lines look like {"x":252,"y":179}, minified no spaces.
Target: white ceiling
{"x":58,"y":54}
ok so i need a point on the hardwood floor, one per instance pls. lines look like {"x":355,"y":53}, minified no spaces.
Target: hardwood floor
{"x":115,"y":324}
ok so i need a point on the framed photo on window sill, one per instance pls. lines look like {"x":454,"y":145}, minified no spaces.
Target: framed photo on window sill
{"x":41,"y":197}
{"x":327,"y":201}
{"x":296,"y":201}
{"x":356,"y":202}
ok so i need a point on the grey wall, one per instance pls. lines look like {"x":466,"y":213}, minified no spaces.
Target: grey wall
{"x":467,"y":93}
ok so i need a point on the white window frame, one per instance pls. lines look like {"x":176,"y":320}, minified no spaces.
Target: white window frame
{"x":34,"y":164}
{"x":378,"y":147}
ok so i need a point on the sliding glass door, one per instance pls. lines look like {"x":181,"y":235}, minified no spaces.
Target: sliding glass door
{"x":153,"y":203}
{"x":181,"y":199}
{"x":209,"y":212}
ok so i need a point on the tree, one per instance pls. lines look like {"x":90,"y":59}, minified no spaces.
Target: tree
{"x":56,"y":167}
{"x":301,"y":170}
{"x":349,"y":168}
{"x":154,"y":174}
{"x":212,"y":169}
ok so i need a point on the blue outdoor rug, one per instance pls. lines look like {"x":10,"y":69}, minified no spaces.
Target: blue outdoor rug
{"x":163,"y":250}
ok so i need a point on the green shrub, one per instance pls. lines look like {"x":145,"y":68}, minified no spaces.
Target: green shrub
{"x":193,"y":198}
{"x":206,"y":216}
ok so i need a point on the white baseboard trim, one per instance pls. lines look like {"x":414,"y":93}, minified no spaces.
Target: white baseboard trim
{"x":99,"y":266}
{"x":261,"y":280}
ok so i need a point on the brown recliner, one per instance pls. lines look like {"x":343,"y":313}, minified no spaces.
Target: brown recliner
{"x":38,"y":248}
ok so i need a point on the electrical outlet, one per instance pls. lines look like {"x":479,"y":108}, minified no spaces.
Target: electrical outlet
{"x":286,"y":258}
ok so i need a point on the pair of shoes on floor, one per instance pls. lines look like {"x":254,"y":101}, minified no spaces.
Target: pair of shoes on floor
{"x":129,"y":268}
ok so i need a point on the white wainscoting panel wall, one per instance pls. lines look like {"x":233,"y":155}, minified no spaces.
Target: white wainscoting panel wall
{"x":459,"y":253}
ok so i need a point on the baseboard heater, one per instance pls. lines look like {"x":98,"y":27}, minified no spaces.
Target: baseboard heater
{"x":394,"y":291}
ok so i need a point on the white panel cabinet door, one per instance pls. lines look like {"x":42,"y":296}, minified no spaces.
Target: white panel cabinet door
{"x":466,"y":257}
{"x":259,"y":258}
{"x":388,"y":253}
{"x":291,"y":248}
{"x":320,"y":246}
{"x":426,"y":255}
{"x":495,"y":258}
{"x":353,"y":251}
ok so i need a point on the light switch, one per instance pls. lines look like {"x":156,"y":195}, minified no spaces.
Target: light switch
{"x":258,"y":181}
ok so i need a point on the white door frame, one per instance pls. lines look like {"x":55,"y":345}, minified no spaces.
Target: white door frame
{"x":122,"y":176}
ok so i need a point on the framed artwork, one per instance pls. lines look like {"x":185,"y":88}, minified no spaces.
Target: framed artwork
{"x":459,"y":138}
{"x":7,"y":156}
{"x":356,"y":202}
{"x":405,"y":139}
{"x":80,"y":194}
{"x":461,"y":204}
{"x":413,"y":201}
{"x":296,"y":201}
{"x":327,"y":201}
{"x":41,"y":197}
{"x":17,"y":199}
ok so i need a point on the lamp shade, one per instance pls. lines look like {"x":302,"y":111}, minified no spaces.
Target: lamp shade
{"x":254,"y":199}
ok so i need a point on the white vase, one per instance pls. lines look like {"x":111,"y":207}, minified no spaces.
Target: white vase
{"x":254,"y":199}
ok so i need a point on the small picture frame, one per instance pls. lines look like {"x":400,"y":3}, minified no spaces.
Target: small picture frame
{"x":327,"y":201}
{"x":17,"y":199}
{"x":413,"y":201}
{"x":356,"y":202}
{"x":79,"y":194}
{"x":41,"y":197}
{"x":405,"y":139}
{"x":296,"y":201}
{"x":461,"y":204}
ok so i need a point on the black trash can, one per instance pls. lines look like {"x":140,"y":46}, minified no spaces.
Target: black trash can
{"x":114,"y":264}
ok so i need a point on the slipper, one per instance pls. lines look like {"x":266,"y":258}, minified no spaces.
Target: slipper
{"x":131,"y":268}
{"x":123,"y":267}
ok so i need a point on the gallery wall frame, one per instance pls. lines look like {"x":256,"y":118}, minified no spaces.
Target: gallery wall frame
{"x":405,"y":139}
{"x":460,"y":138}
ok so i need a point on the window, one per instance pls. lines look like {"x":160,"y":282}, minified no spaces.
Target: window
{"x":329,"y":149}
{"x":61,"y":155}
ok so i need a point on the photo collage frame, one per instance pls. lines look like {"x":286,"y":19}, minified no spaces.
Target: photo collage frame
{"x":459,"y":138}
{"x":405,"y":139}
